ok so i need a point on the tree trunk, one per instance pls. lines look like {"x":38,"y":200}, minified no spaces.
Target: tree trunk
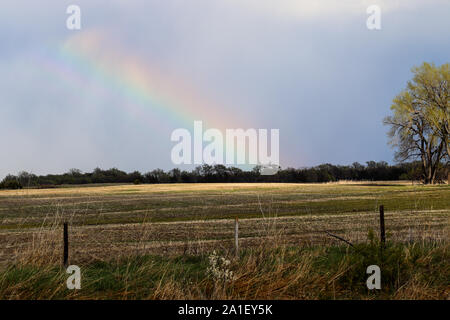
{"x":433,"y":176}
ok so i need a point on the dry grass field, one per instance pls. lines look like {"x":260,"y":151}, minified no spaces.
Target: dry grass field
{"x":108,"y":224}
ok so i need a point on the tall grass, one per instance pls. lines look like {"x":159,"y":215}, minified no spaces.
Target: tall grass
{"x":272,"y":269}
{"x":408,"y":272}
{"x":272,"y":266}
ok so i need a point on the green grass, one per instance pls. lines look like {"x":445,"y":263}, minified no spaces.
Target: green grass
{"x":130,"y":205}
{"x":126,"y":250}
{"x":337,"y":272}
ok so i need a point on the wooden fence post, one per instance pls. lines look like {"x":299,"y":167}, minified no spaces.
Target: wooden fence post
{"x":66,"y":245}
{"x":382,"y":227}
{"x":236,"y":236}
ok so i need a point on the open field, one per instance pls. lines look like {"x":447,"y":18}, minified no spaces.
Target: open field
{"x":112,"y":223}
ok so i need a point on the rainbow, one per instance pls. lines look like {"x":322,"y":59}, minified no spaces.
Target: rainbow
{"x":90,"y":60}
{"x":91,"y":55}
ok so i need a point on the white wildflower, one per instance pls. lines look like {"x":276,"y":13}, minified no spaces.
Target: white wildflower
{"x":218,"y":268}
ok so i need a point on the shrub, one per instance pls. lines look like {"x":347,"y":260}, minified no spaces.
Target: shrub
{"x":10,"y":183}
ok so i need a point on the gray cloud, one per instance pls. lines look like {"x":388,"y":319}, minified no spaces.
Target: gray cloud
{"x":316,"y":73}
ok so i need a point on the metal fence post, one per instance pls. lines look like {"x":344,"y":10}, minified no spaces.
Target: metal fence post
{"x":382,"y":227}
{"x":66,"y":245}
{"x":236,"y":236}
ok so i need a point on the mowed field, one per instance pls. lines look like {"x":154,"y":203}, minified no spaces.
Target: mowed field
{"x":110,"y":222}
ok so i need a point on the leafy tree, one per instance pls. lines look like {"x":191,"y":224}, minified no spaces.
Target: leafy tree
{"x":419,"y":126}
{"x":75,"y":172}
{"x":175,"y":175}
{"x":10,"y":182}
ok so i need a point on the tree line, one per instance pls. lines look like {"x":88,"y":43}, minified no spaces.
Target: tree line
{"x":419,"y":130}
{"x":372,"y":171}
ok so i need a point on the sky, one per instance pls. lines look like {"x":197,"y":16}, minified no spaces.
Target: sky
{"x":110,"y":94}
